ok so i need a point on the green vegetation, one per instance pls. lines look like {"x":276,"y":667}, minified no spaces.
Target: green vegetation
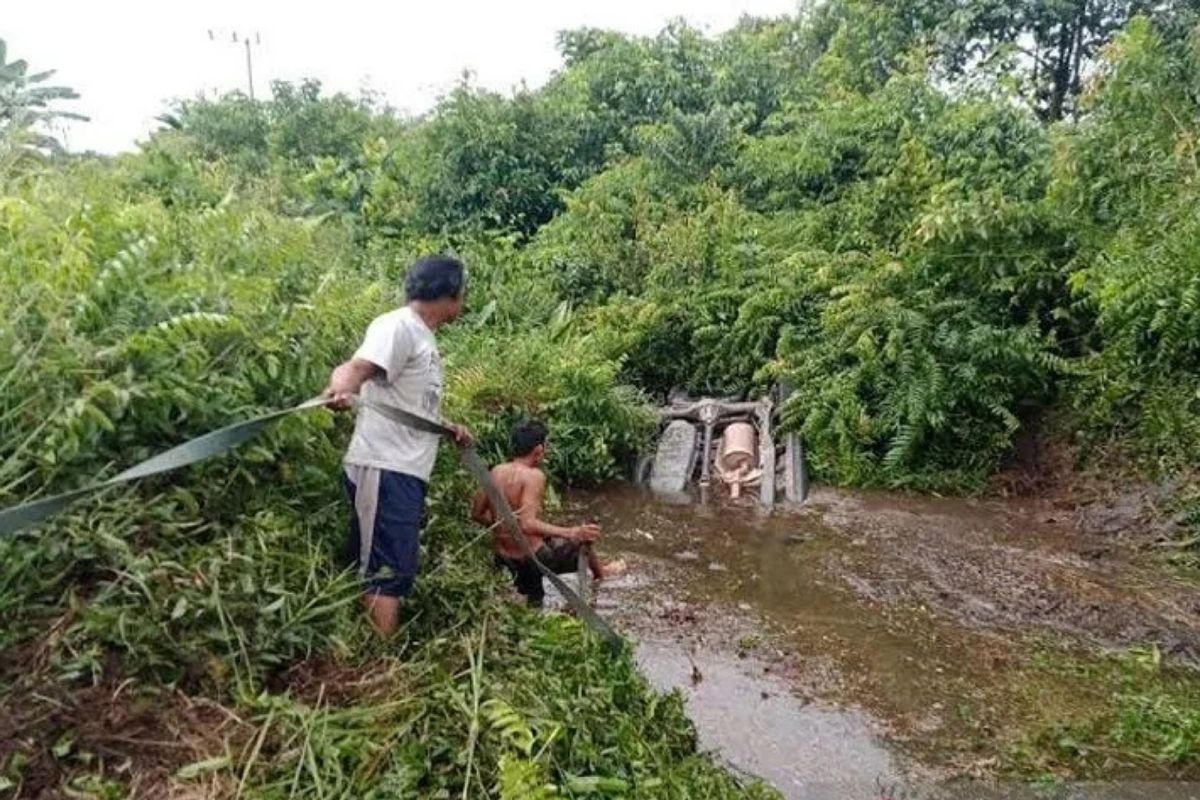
{"x":934,"y":231}
{"x":804,"y":199}
{"x":1141,"y":714}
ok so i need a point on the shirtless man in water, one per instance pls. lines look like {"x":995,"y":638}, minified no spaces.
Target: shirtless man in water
{"x":523,"y":484}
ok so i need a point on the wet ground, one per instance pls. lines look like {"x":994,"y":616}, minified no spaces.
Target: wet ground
{"x":878,"y":646}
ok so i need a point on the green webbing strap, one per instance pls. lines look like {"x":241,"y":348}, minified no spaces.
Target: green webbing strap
{"x":202,"y":447}
{"x":219,"y":441}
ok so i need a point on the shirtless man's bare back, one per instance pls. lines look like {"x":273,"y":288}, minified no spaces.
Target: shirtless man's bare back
{"x":523,"y":484}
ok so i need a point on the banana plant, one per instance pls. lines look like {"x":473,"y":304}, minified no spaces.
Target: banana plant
{"x":27,"y":106}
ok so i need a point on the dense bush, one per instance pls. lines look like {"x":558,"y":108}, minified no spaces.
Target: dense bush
{"x":855,"y":202}
{"x":1129,"y":183}
{"x":596,"y":425}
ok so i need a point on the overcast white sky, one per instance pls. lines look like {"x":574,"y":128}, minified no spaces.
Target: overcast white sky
{"x":126,"y":57}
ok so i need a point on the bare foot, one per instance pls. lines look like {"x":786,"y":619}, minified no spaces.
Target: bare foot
{"x":610,"y":569}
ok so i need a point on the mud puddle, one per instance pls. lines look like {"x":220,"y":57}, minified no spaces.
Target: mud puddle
{"x":761,"y":729}
{"x":873,"y":646}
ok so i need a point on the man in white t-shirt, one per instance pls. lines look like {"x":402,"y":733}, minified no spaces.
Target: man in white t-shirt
{"x":388,"y":465}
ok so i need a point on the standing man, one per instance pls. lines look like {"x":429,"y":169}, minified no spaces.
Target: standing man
{"x":388,"y":464}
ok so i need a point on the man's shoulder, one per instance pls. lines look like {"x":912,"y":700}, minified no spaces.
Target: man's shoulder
{"x":403,"y":322}
{"x":392,"y":314}
{"x":401,"y":315}
{"x":532,"y":475}
{"x":522,"y":472}
{"x":410,"y":319}
{"x":389,"y":320}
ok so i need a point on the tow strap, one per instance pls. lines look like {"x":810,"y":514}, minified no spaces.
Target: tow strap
{"x":219,"y":441}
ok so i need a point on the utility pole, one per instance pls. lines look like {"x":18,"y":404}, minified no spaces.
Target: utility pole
{"x":249,"y":68}
{"x":245,"y":40}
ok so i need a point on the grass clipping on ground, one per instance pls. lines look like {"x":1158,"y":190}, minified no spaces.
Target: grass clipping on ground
{"x":1132,"y":713}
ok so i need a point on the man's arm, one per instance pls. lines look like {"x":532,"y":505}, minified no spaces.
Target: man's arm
{"x":530,"y":513}
{"x":481,"y":509}
{"x":347,"y":379}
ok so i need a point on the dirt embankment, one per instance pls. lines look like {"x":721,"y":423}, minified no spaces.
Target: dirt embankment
{"x":141,"y":738}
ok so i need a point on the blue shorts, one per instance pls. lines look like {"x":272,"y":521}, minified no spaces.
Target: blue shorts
{"x":395,"y":540}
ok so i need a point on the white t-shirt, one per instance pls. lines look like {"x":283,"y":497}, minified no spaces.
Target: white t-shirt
{"x":400,"y":344}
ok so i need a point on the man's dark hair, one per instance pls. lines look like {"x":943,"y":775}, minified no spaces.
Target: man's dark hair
{"x":435,"y":277}
{"x":526,"y":436}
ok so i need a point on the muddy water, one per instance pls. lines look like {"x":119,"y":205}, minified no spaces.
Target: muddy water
{"x":867,"y":645}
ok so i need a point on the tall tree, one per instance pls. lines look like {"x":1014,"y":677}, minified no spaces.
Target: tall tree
{"x":1052,"y":44}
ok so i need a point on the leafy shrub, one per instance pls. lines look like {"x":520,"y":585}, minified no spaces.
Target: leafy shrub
{"x":1127,"y":177}
{"x":596,"y":425}
{"x":918,"y":391}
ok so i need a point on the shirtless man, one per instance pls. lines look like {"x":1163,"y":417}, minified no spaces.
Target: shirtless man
{"x":523,"y":484}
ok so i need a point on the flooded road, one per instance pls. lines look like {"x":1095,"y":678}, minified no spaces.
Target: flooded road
{"x":873,"y":646}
